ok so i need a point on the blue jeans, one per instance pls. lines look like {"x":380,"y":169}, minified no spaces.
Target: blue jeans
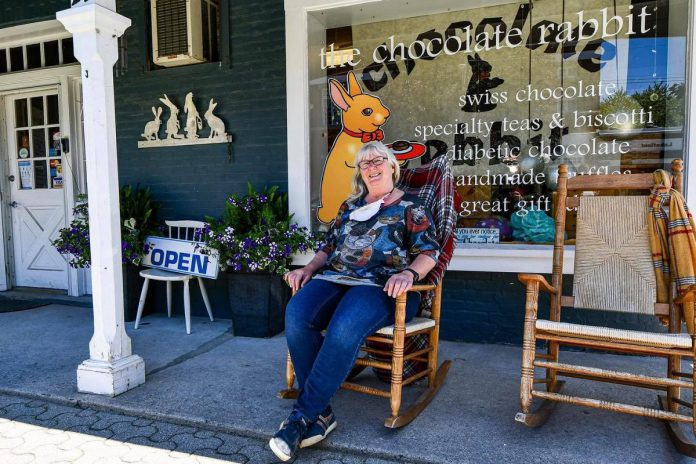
{"x":349,"y":315}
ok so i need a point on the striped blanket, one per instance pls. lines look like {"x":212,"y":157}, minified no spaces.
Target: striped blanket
{"x":672,"y":242}
{"x":433,"y":183}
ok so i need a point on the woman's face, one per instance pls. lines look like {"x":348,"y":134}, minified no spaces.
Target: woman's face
{"x":377,"y":173}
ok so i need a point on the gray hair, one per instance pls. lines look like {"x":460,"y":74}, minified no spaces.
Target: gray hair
{"x":378,"y":148}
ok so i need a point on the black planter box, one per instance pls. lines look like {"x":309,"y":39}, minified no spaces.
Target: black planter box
{"x":257,"y":302}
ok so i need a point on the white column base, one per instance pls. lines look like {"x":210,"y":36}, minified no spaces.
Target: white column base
{"x":111,"y":379}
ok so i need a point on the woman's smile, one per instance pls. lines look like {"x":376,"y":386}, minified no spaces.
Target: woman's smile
{"x":374,"y":177}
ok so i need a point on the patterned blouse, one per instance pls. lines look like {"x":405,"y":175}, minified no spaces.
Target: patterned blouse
{"x":375,"y":249}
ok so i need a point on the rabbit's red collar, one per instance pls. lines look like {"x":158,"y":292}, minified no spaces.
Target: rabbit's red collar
{"x":366,"y":136}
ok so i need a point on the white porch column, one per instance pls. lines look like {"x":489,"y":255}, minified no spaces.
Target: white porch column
{"x":112,"y":368}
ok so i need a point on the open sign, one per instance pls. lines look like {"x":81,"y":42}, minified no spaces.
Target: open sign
{"x":182,"y":256}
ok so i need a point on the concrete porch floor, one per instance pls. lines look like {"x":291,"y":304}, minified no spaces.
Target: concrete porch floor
{"x":226,"y":383}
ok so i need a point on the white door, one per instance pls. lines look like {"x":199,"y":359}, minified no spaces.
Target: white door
{"x":36,"y":194}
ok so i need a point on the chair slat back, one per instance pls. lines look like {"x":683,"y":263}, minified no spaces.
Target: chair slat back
{"x":613,"y":263}
{"x":185,"y":230}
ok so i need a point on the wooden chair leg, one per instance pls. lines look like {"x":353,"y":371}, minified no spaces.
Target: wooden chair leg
{"x":141,"y":302}
{"x":684,"y":442}
{"x":169,"y":299}
{"x":397,"y":373}
{"x":187,"y":306}
{"x":434,"y":339}
{"x":529,"y":347}
{"x":204,"y":293}
{"x":673,"y":393}
{"x":537,"y":417}
{"x":290,"y":392}
{"x":551,"y":377}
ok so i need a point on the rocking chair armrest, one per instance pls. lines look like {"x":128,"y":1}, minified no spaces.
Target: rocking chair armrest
{"x":422,"y":288}
{"x":687,"y":296}
{"x":543,"y":283}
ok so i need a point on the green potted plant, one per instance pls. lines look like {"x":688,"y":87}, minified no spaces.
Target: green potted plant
{"x":255,"y":239}
{"x":137,"y":210}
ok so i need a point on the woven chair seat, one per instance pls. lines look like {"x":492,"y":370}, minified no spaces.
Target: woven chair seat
{"x":416,"y":324}
{"x":661,"y":340}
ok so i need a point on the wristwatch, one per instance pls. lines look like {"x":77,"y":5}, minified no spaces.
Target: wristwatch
{"x":416,"y":277}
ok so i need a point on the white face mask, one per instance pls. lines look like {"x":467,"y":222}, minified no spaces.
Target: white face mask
{"x":368,"y":211}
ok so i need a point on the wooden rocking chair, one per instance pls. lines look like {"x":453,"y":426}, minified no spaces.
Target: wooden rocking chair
{"x":613,"y":272}
{"x":433,"y":184}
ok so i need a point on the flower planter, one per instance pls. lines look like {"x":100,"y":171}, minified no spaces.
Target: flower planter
{"x":257,"y":303}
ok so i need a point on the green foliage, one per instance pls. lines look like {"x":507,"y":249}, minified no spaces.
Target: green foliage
{"x":619,"y":102}
{"x":256,"y":233}
{"x":255,"y":209}
{"x":137,"y":211}
{"x":665,"y":102}
{"x":137,"y":205}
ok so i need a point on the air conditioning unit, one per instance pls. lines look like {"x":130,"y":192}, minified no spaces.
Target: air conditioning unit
{"x":177,"y":36}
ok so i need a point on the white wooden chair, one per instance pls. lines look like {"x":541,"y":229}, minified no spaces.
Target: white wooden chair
{"x":183,"y":230}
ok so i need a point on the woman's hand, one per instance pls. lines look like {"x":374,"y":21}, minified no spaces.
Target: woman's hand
{"x":297,"y":278}
{"x":398,"y":284}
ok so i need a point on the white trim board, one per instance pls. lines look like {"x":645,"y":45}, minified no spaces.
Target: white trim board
{"x":299,"y":14}
{"x":27,"y":34}
{"x":535,"y":259}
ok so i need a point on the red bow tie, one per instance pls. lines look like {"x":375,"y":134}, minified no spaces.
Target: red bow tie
{"x":366,"y":136}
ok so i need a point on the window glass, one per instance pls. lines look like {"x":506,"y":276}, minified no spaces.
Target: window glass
{"x":67,"y":50}
{"x":506,"y":92}
{"x":51,"y":57}
{"x":33,"y":56}
{"x":17,"y":59}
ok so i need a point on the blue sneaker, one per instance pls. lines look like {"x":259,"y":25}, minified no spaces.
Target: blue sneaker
{"x":319,"y":429}
{"x":285,"y":442}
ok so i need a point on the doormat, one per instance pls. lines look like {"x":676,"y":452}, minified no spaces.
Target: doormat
{"x":8,"y":305}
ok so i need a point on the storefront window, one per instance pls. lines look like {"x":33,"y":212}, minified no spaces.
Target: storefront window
{"x":507,"y":92}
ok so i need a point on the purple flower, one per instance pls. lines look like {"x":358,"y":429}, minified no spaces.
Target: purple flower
{"x":249,"y":244}
{"x":262,"y":198}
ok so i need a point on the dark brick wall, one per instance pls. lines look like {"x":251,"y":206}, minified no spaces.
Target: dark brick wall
{"x":249,"y":86}
{"x":14,"y":13}
{"x":489,"y":307}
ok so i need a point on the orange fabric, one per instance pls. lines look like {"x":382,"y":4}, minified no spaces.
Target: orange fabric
{"x":672,"y":242}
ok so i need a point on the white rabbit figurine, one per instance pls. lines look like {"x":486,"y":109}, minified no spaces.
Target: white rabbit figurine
{"x":173,"y":124}
{"x":193,"y":120}
{"x":151,"y":131}
{"x":217,"y":127}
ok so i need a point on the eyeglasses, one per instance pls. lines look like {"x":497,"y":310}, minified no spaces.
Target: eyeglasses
{"x":376,"y":162}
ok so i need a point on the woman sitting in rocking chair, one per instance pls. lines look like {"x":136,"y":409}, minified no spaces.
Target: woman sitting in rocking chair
{"x":380,"y":244}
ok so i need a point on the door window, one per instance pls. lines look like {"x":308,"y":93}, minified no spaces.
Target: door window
{"x":37,"y":134}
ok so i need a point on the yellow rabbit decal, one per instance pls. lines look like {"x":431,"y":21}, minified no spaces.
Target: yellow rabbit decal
{"x":362,"y":116}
